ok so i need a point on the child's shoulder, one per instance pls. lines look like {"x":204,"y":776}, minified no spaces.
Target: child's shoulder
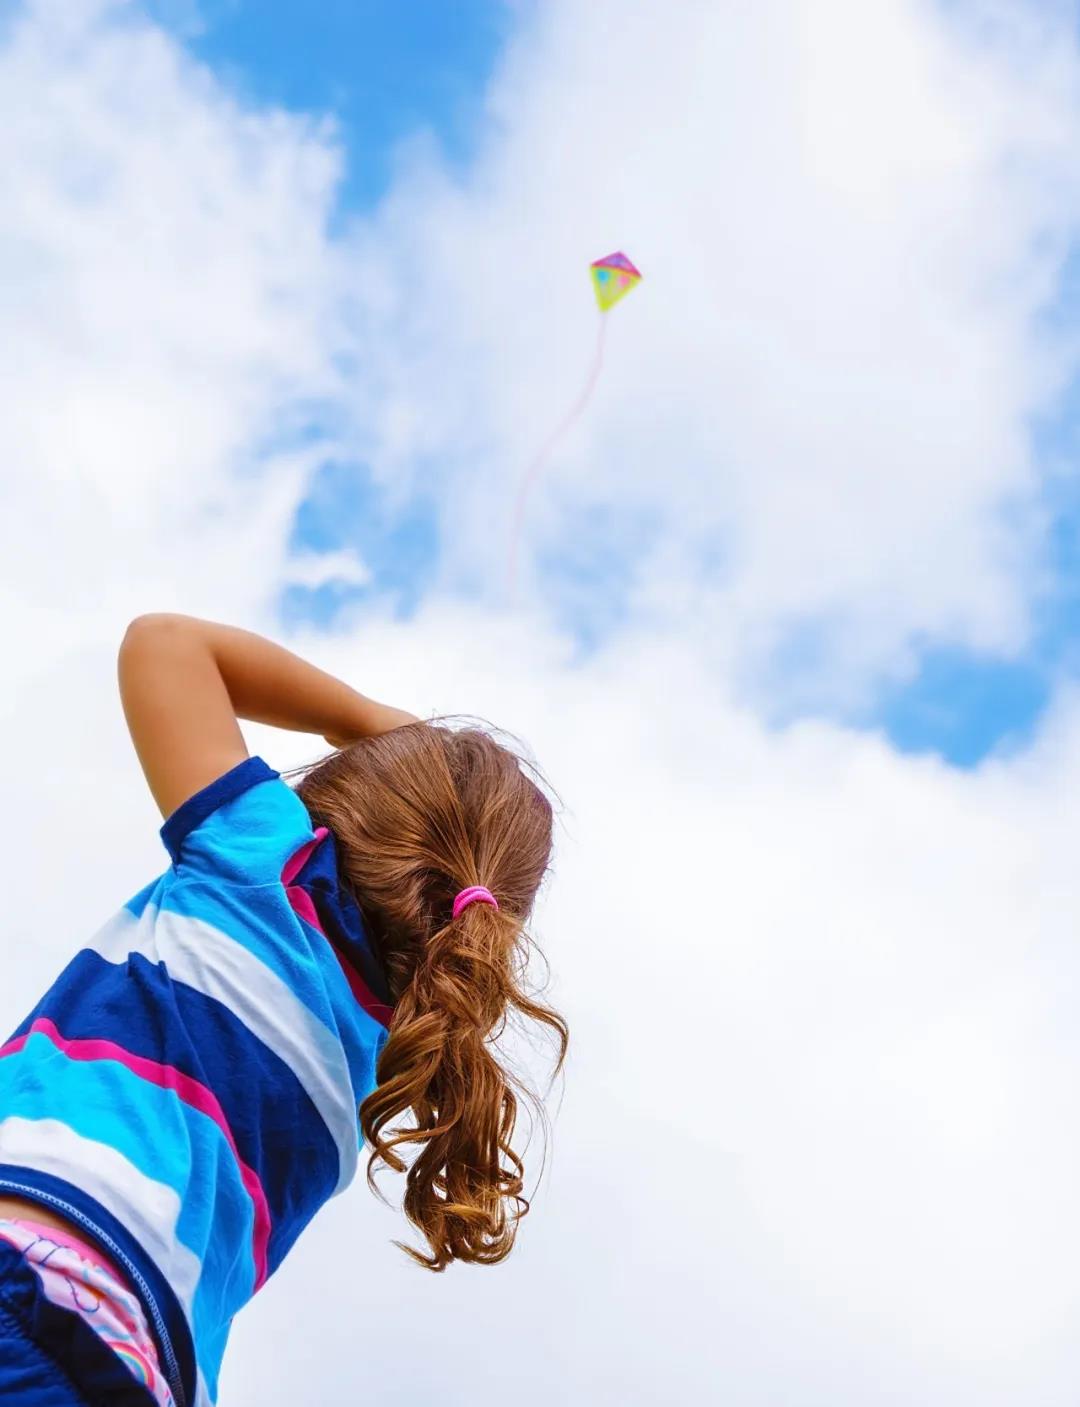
{"x":243,"y":828}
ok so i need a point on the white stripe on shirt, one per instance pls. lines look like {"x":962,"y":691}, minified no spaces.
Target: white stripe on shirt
{"x":201,"y":956}
{"x":147,"y":1208}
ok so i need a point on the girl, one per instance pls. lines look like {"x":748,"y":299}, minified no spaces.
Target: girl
{"x":315,"y":962}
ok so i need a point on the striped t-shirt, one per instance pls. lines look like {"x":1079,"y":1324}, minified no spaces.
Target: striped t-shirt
{"x":188,"y":1088}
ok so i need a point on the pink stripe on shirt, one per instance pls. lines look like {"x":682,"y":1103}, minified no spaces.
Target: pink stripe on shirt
{"x":304,"y":905}
{"x":189,"y":1090}
{"x":296,"y":862}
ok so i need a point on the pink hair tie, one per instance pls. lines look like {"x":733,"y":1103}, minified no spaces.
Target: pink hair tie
{"x":471,"y":895}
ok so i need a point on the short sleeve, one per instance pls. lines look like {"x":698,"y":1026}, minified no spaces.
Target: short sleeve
{"x":240,"y":829}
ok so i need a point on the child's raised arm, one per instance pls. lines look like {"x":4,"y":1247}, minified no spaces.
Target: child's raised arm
{"x":184,"y":682}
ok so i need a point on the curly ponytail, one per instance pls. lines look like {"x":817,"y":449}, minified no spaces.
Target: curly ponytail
{"x":420,"y":813}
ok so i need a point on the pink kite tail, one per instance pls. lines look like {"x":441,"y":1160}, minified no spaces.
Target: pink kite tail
{"x":549,"y":444}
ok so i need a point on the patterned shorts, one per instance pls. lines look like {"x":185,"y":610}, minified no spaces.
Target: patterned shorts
{"x":77,"y":1277}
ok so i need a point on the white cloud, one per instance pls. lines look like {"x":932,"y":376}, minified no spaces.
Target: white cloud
{"x":313,"y":569}
{"x":164,"y":251}
{"x":848,"y":216}
{"x":815,"y":1142}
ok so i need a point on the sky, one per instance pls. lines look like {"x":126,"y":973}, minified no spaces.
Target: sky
{"x":291,"y":304}
{"x":394,"y":76}
{"x":384,"y":71}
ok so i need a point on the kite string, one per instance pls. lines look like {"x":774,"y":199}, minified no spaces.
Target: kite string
{"x":549,"y":444}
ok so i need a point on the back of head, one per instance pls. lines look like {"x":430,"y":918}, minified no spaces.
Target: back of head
{"x":418,"y":814}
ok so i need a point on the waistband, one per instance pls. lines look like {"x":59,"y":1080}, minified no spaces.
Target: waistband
{"x":88,"y":1250}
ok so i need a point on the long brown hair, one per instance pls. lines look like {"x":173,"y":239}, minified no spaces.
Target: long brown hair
{"x":419,"y":813}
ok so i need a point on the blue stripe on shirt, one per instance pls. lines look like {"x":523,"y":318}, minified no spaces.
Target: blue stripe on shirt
{"x":210,"y":1044}
{"x":164,"y":1138}
{"x":262,"y":920}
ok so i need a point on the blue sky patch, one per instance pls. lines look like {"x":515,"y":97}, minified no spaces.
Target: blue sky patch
{"x":345,"y":509}
{"x":960,"y":705}
{"x":585,"y":577}
{"x":964,"y":706}
{"x":384,"y":68}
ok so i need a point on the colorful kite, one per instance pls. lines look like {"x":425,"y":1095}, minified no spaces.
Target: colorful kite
{"x":613,"y":277}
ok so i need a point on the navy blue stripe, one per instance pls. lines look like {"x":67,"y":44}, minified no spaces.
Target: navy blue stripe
{"x":48,"y":1190}
{"x":195,"y":809}
{"x":340,"y":915}
{"x":278,"y":1130}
